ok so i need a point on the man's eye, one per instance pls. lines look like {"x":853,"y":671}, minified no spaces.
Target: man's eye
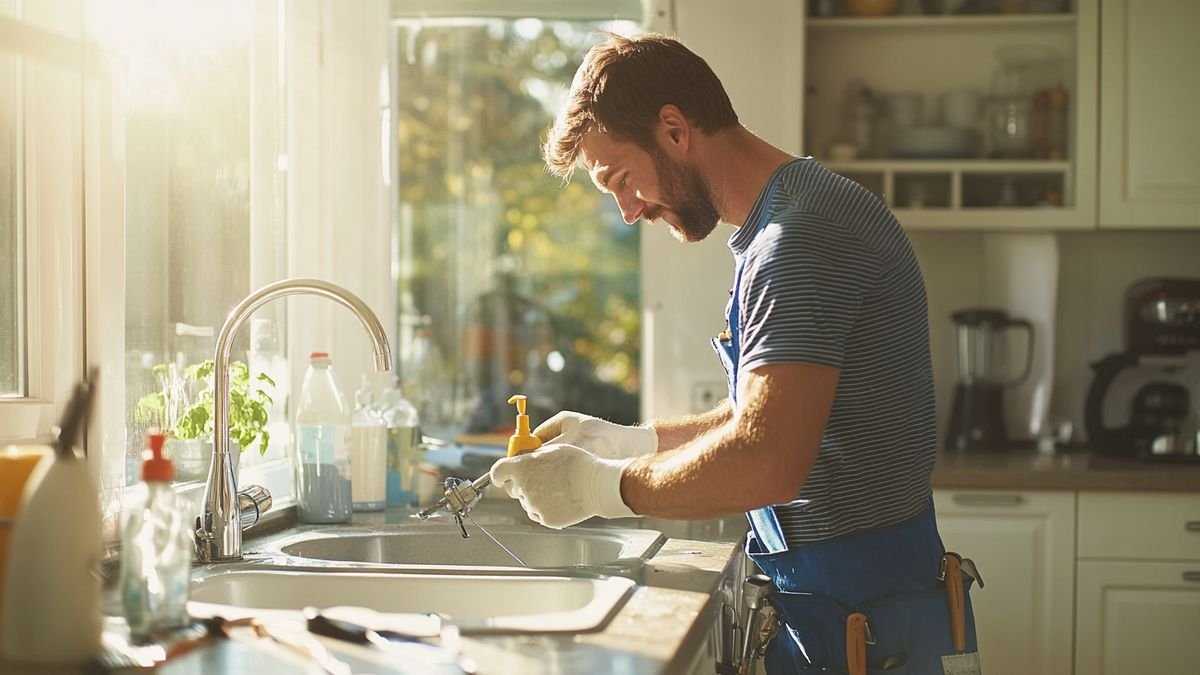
{"x":623,"y":181}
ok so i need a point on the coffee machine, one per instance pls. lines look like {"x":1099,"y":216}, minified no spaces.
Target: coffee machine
{"x":1154,"y":386}
{"x":977,"y":417}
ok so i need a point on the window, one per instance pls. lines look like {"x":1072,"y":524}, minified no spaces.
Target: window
{"x":201,"y":227}
{"x":508,"y":281}
{"x":12,"y":227}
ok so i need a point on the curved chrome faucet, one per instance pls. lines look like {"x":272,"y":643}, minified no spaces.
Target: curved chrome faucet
{"x":219,"y":526}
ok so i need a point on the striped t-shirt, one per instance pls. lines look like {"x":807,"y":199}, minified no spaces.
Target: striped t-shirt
{"x":830,"y":278}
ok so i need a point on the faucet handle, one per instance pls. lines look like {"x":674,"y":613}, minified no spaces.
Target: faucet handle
{"x":253,"y":502}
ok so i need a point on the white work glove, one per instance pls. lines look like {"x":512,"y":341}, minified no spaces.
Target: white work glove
{"x":597,"y":436}
{"x":560,"y":485}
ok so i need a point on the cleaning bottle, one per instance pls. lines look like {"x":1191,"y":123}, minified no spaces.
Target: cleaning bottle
{"x":156,"y":550}
{"x":403,"y":439}
{"x":368,"y":452}
{"x":322,"y":446}
{"x":522,"y":440}
{"x":51,"y":612}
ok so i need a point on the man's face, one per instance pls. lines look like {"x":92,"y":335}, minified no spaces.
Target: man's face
{"x":651,"y":186}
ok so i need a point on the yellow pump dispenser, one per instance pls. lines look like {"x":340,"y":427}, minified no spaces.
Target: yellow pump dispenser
{"x":522,"y":440}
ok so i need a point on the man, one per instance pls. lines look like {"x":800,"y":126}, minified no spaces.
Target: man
{"x":827,"y":440}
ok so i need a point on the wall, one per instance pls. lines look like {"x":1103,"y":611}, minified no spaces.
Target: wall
{"x":684,"y":287}
{"x":1093,"y":271}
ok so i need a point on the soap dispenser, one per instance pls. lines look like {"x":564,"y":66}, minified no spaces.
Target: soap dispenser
{"x":522,"y":440}
{"x":156,"y":550}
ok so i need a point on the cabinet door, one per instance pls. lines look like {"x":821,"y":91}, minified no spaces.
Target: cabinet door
{"x":1149,"y":142}
{"x":1137,"y":617}
{"x":1023,"y":543}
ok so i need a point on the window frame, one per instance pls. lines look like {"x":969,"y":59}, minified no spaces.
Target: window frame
{"x":46,"y":38}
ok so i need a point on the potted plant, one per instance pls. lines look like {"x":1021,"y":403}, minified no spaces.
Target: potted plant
{"x":183,"y":408}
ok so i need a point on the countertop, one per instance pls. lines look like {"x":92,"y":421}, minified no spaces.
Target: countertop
{"x":660,"y":630}
{"x":1075,"y":470}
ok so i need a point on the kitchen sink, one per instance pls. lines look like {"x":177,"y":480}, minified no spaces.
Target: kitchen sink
{"x":474,"y":603}
{"x":435,"y":546}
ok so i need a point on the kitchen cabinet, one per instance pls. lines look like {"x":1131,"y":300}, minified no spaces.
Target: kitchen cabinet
{"x":888,"y":101}
{"x":1149,"y":142}
{"x":1024,"y":546}
{"x":1138,"y":596}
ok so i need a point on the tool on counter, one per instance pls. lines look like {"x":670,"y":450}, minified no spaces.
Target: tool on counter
{"x":444,"y":657}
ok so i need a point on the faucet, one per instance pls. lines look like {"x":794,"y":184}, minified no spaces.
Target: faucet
{"x":219,"y":525}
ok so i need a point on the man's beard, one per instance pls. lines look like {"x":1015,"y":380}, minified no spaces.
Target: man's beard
{"x":689,"y":197}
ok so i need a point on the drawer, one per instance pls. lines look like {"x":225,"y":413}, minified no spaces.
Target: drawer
{"x":1139,"y":526}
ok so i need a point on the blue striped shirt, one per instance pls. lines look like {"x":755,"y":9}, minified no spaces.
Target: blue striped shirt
{"x":830,"y":278}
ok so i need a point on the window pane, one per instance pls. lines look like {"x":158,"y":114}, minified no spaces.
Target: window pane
{"x":188,"y":245}
{"x":509,"y":281}
{"x":12,"y":254}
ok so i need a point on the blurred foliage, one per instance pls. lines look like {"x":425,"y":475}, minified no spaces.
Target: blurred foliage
{"x":474,"y":104}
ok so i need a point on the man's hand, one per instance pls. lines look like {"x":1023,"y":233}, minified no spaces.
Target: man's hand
{"x":561,"y":485}
{"x":601,"y":438}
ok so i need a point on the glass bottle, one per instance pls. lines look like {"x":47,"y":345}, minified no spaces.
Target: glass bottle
{"x":156,"y":550}
{"x":322,"y":446}
{"x":368,"y":452}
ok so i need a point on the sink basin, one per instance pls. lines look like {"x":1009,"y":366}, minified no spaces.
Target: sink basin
{"x":441,"y":545}
{"x":475,"y":603}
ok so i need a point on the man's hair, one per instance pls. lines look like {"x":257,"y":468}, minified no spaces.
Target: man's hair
{"x":620,"y":88}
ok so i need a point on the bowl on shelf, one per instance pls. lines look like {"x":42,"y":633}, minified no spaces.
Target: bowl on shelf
{"x":933,"y":142}
{"x":870,"y":7}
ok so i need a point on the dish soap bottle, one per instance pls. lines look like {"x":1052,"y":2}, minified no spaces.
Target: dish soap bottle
{"x":522,"y":440}
{"x":156,"y":551}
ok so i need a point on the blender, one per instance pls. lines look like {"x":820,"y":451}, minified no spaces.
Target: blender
{"x":977,"y":418}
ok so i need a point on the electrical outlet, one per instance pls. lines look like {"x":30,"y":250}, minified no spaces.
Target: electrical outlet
{"x":705,"y":395}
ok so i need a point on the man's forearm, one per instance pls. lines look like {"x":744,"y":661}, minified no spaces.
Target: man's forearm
{"x":676,"y":433}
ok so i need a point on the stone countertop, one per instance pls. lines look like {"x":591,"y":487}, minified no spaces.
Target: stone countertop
{"x":1079,"y":470}
{"x":660,"y":630}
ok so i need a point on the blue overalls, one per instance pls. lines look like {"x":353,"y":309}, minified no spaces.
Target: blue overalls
{"x":889,"y":574}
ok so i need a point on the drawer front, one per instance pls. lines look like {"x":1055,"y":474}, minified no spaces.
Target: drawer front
{"x":1139,"y":526}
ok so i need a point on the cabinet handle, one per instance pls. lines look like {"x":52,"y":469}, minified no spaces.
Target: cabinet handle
{"x":1192,"y":526}
{"x":1191,"y":576}
{"x":979,"y":499}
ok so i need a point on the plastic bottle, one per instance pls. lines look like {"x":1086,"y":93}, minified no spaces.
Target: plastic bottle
{"x":156,"y":551}
{"x":323,"y":493}
{"x":403,"y":429}
{"x":368,"y":452}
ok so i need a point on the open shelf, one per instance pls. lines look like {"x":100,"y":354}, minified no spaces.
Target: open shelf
{"x":924,"y":187}
{"x":940,"y":21}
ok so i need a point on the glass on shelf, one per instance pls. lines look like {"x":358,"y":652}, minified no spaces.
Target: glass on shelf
{"x":998,"y":190}
{"x":921,"y":191}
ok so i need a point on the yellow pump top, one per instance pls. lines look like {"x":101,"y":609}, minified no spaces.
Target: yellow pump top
{"x":522,"y":440}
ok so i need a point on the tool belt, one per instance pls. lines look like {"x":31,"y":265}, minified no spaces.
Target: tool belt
{"x":880,"y":623}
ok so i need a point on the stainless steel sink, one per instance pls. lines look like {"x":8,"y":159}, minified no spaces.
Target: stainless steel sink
{"x":475,"y":603}
{"x":441,"y":547}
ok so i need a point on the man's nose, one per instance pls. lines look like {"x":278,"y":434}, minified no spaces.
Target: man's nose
{"x":631,"y":208}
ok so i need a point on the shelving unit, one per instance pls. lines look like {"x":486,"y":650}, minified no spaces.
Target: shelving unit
{"x":934,"y":54}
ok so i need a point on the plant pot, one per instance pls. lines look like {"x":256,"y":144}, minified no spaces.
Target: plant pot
{"x":192,"y":457}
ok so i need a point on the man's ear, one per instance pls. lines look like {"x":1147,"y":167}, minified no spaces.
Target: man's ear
{"x":674,"y":131}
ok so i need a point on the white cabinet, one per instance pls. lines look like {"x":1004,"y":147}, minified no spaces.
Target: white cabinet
{"x":1149,"y":91}
{"x":1024,"y":546}
{"x":1137,"y":617}
{"x":923,"y":155}
{"x":1138,"y":584}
